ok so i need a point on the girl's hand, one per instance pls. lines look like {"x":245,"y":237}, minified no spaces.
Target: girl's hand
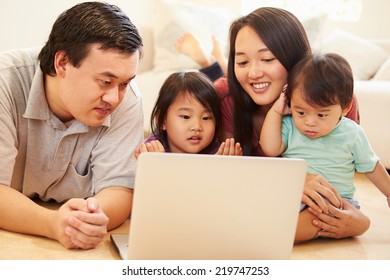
{"x":229,"y":147}
{"x":153,"y":146}
{"x":317,"y":190}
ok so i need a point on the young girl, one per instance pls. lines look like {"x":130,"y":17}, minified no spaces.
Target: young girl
{"x":187,"y":118}
{"x":320,"y":90}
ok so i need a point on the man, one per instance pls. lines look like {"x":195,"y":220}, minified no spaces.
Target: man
{"x":70,"y":122}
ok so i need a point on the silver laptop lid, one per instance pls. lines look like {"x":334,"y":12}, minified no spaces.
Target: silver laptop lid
{"x":215,"y":207}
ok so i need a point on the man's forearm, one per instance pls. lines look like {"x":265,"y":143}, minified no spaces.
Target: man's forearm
{"x":19,"y":213}
{"x":116,"y":203}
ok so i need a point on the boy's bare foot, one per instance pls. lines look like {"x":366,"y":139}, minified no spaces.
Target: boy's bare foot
{"x":189,"y":45}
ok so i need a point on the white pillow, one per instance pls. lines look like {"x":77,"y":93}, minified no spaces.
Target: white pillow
{"x":172,"y":18}
{"x":384,"y":71}
{"x":149,"y":84}
{"x":314,"y":27}
{"x":364,"y":56}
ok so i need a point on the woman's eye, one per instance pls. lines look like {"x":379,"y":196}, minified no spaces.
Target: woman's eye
{"x":242,"y":63}
{"x":268,"y":59}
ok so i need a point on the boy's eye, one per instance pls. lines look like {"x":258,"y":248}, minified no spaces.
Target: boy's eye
{"x":301,"y":113}
{"x":322,"y":115}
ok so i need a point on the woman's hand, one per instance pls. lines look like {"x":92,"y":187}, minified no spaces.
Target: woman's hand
{"x":342,"y":223}
{"x":317,"y":191}
{"x":152,"y":146}
{"x":229,"y":147}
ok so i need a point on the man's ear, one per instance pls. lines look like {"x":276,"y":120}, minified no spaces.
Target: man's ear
{"x":347,"y":109}
{"x":60,"y":63}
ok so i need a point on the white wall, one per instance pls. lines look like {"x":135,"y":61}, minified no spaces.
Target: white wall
{"x":373,"y":24}
{"x":26,"y":23}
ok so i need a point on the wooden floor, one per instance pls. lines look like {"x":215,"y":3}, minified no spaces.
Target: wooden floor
{"x":372,"y":245}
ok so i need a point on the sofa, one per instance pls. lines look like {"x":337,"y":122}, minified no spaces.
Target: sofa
{"x":374,"y":107}
{"x":369,"y":59}
{"x":370,"y":62}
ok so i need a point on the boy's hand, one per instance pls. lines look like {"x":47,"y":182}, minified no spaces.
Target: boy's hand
{"x":317,"y":190}
{"x":280,"y":106}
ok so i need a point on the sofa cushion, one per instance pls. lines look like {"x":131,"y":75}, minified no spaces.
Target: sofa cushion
{"x":384,"y":71}
{"x":172,"y":18}
{"x":314,"y":27}
{"x":364,"y":56}
{"x":149,"y":84}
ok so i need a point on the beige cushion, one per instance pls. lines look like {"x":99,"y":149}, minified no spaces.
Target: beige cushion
{"x":384,"y":71}
{"x":364,"y":56}
{"x":314,"y":27}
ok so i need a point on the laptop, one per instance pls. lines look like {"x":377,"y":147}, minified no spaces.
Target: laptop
{"x":208,"y":207}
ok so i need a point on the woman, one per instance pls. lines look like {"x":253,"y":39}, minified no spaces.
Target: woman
{"x":264,"y":46}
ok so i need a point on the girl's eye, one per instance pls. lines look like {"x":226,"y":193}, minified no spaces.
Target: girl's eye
{"x":184,"y":117}
{"x":207,"y":118}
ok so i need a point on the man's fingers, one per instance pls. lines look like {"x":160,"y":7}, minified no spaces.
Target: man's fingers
{"x":80,"y":240}
{"x":77,"y":204}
